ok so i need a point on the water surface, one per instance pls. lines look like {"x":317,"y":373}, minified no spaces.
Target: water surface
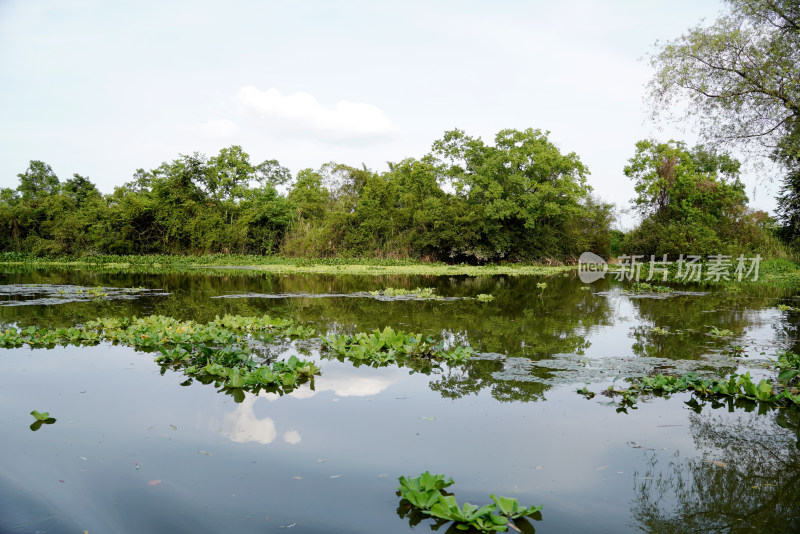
{"x":139,"y":449}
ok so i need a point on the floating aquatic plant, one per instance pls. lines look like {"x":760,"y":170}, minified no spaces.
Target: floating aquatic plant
{"x":42,"y":418}
{"x":644,"y":287}
{"x":716,"y":332}
{"x":386,"y":346}
{"x":217,"y":351}
{"x":419,"y":292}
{"x":735,"y":386}
{"x":426,"y":494}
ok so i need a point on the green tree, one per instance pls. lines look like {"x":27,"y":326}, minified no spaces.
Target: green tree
{"x":741,"y":79}
{"x":519,"y":194}
{"x":38,"y":181}
{"x":80,"y":189}
{"x":740,"y":75}
{"x":692,"y":202}
{"x":228,"y":173}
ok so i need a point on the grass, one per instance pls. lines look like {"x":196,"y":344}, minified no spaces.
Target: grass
{"x":782,"y":272}
{"x":275,"y":264}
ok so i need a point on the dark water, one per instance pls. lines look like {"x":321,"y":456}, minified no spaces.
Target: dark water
{"x":137,"y":450}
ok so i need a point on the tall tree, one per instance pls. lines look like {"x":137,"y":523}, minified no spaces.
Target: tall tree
{"x":740,"y":75}
{"x":38,"y":181}
{"x":691,"y":201}
{"x":741,"y":78}
{"x":519,"y":193}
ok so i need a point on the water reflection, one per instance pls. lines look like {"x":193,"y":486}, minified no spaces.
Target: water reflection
{"x":680,"y":327}
{"x":524,"y":324}
{"x":243,"y":426}
{"x":745,"y":477}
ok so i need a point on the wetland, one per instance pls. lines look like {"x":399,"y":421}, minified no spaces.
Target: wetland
{"x":252,"y":401}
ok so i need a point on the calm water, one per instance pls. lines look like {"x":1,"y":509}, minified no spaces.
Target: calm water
{"x":138,"y":449}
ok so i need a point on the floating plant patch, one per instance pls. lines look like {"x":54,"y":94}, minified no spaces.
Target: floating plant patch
{"x":426,"y":494}
{"x":518,"y":370}
{"x":387,"y":294}
{"x":654,"y":294}
{"x":563,"y":369}
{"x":49,"y":294}
{"x":572,"y":368}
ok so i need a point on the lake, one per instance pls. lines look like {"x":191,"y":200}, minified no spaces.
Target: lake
{"x":141,"y":447}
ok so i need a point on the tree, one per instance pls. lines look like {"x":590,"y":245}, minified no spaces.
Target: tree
{"x":80,"y":189}
{"x":519,"y":194}
{"x":691,"y":201}
{"x":741,"y":76}
{"x":38,"y":181}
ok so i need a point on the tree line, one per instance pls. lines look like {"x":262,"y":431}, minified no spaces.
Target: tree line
{"x":519,"y":199}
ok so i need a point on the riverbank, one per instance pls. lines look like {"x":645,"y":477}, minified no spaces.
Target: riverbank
{"x":772,"y":272}
{"x":279,"y":265}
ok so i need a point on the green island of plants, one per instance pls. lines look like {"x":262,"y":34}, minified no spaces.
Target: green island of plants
{"x":220,"y":351}
{"x":382,"y":347}
{"x":644,"y":287}
{"x":735,"y":386}
{"x":425,"y":494}
{"x":214,"y":352}
{"x":419,"y":292}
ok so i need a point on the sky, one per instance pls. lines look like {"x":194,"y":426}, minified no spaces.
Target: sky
{"x":103,"y":88}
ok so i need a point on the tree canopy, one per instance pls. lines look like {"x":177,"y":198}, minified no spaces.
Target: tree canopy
{"x":740,"y":77}
{"x":738,"y":80}
{"x":692,"y":202}
{"x":519,"y":198}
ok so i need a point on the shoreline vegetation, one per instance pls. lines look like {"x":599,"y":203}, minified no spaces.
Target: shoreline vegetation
{"x":773,"y":272}
{"x":281,"y":265}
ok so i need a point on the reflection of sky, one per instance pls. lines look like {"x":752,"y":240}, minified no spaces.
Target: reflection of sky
{"x":243,"y":426}
{"x":607,"y":339}
{"x":121,"y":425}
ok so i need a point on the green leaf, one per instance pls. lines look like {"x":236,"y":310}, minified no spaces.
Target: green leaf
{"x":40,"y":416}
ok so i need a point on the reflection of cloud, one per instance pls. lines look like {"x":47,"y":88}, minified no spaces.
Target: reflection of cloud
{"x":349,"y":386}
{"x":242,"y":426}
{"x":292,"y":437}
{"x":303,"y":393}
{"x":342,"y":386}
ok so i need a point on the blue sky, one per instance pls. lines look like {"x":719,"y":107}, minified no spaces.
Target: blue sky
{"x":103,"y":88}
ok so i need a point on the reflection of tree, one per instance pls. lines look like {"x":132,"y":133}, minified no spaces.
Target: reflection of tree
{"x":748,"y":479}
{"x":787,"y":329}
{"x":476,"y":375}
{"x":694,"y":316}
{"x":523,"y":320}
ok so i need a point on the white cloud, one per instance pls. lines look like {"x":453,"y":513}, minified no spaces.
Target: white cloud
{"x":219,"y":128}
{"x":301,"y":113}
{"x":292,"y":437}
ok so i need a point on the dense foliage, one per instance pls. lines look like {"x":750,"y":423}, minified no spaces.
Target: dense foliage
{"x":519,"y":199}
{"x":740,"y":77}
{"x":692,"y":202}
